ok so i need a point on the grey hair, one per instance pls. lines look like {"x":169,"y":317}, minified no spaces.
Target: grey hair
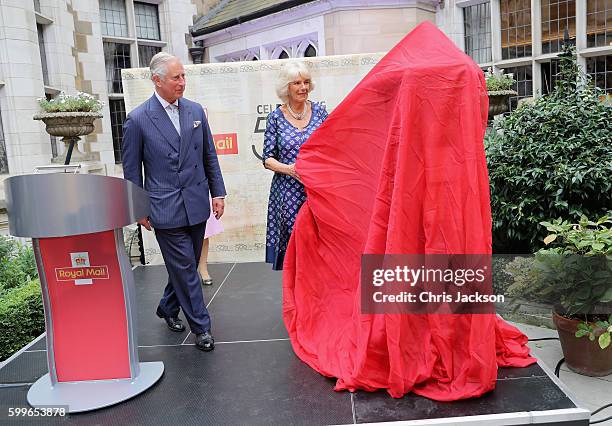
{"x":289,"y":71}
{"x":159,"y":63}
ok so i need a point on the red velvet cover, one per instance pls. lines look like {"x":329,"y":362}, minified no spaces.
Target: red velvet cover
{"x":398,"y":167}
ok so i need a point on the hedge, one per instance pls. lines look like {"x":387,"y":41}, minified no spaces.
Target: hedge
{"x":21,"y":317}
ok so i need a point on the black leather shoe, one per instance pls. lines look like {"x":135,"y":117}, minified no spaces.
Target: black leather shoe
{"x":205,"y":342}
{"x":174,"y":324}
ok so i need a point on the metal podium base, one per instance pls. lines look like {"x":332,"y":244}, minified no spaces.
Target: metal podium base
{"x":91,"y":395}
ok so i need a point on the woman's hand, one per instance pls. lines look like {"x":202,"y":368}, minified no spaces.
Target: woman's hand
{"x":291,"y":172}
{"x":278,"y":167}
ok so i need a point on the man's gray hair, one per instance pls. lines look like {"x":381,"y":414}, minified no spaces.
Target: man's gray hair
{"x":159,"y":63}
{"x":289,"y":71}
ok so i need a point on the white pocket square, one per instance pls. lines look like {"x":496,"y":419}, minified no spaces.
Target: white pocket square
{"x":196,"y":124}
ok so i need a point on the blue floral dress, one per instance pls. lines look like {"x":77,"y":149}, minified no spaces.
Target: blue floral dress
{"x":282,"y":141}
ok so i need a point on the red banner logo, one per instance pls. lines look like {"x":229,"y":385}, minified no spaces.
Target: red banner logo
{"x":82,"y":273}
{"x":226,"y":143}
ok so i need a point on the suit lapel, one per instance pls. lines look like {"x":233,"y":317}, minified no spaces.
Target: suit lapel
{"x":186,"y":120}
{"x":162,"y":122}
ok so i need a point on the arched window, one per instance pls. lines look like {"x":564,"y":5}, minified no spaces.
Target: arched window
{"x":283,"y":55}
{"x":310,"y":51}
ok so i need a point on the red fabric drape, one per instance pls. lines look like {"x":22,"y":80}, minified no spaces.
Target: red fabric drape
{"x":398,"y":167}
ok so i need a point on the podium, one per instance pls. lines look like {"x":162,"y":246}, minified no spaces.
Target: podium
{"x":75,"y":222}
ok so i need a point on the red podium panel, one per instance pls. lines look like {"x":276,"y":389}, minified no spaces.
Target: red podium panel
{"x":87,"y":305}
{"x":75,"y":222}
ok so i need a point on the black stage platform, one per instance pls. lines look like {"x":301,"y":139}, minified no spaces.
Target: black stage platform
{"x":253,"y":376}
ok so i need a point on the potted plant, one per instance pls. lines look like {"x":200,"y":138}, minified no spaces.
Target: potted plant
{"x":70,"y":116}
{"x":499,"y":89}
{"x":574,"y":274}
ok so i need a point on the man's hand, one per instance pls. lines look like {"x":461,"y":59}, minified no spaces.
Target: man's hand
{"x":218,"y":206}
{"x":145,"y":222}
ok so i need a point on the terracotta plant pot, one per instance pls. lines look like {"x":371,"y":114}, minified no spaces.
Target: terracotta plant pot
{"x":498,"y":102}
{"x":582,"y":356}
{"x":69,"y":126}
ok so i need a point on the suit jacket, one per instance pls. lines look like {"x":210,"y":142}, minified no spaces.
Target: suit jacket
{"x":179,"y":171}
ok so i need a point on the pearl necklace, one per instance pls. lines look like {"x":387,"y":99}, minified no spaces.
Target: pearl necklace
{"x":295,"y":114}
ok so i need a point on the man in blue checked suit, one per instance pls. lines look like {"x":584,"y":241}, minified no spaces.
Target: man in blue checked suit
{"x":169,"y":135}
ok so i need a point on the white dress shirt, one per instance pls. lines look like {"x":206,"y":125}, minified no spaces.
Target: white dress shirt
{"x":172,"y":110}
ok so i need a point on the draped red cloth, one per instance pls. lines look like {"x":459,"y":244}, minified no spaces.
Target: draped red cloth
{"x":398,"y":167}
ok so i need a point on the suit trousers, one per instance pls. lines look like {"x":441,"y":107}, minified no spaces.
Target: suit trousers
{"x":181,"y":249}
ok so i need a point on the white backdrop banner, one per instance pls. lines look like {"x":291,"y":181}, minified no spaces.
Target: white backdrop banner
{"x":237,"y":97}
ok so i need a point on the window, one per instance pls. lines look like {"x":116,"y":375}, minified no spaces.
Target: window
{"x":3,"y":158}
{"x":550,"y":73}
{"x":599,"y":23}
{"x":557,"y":15}
{"x":523,"y":85}
{"x":477,"y":26}
{"x":113,"y":18}
{"x":310,"y":51}
{"x":43,"y":54}
{"x":147,"y":21}
{"x":145,"y":53}
{"x":515,"y":28}
{"x":600,"y":70}
{"x":283,"y":54}
{"x":117,"y":115}
{"x":243,"y":55}
{"x":116,"y":57}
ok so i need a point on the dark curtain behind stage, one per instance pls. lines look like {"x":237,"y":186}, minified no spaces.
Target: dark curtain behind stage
{"x":398,"y":167}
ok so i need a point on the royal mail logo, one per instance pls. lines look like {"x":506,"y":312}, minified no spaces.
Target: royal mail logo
{"x":226,"y":143}
{"x":81,"y":272}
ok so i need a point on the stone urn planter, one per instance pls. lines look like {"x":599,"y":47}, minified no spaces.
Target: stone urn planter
{"x":69,"y":126}
{"x":498,"y":102}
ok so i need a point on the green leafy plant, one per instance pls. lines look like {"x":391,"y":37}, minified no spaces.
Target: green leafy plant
{"x":574,"y":274}
{"x":550,"y":158}
{"x":17,"y":264}
{"x":498,"y":81}
{"x":577,"y":269}
{"x":601,"y":330}
{"x":523,"y":274}
{"x":80,"y":102}
{"x":21,"y":310}
{"x":587,"y":237}
{"x":21,"y":317}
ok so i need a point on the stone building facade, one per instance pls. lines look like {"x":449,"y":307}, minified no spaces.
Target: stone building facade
{"x":265,"y":29}
{"x":523,"y":37}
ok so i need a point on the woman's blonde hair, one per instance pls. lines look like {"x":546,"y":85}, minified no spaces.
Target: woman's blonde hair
{"x":289,"y":71}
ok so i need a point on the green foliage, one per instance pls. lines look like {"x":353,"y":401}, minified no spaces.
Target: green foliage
{"x":586,"y":237}
{"x":550,"y":158}
{"x":21,"y":317}
{"x":81,"y":102}
{"x":600,"y":330}
{"x":523,"y":274}
{"x":501,"y":279}
{"x":17,"y":264}
{"x":498,"y":81}
{"x":21,"y":311}
{"x":575,"y":274}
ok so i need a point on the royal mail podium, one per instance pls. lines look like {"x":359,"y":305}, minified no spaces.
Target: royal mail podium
{"x":75,"y":222}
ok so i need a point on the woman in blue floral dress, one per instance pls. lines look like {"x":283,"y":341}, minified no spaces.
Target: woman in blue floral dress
{"x":287,"y":128}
